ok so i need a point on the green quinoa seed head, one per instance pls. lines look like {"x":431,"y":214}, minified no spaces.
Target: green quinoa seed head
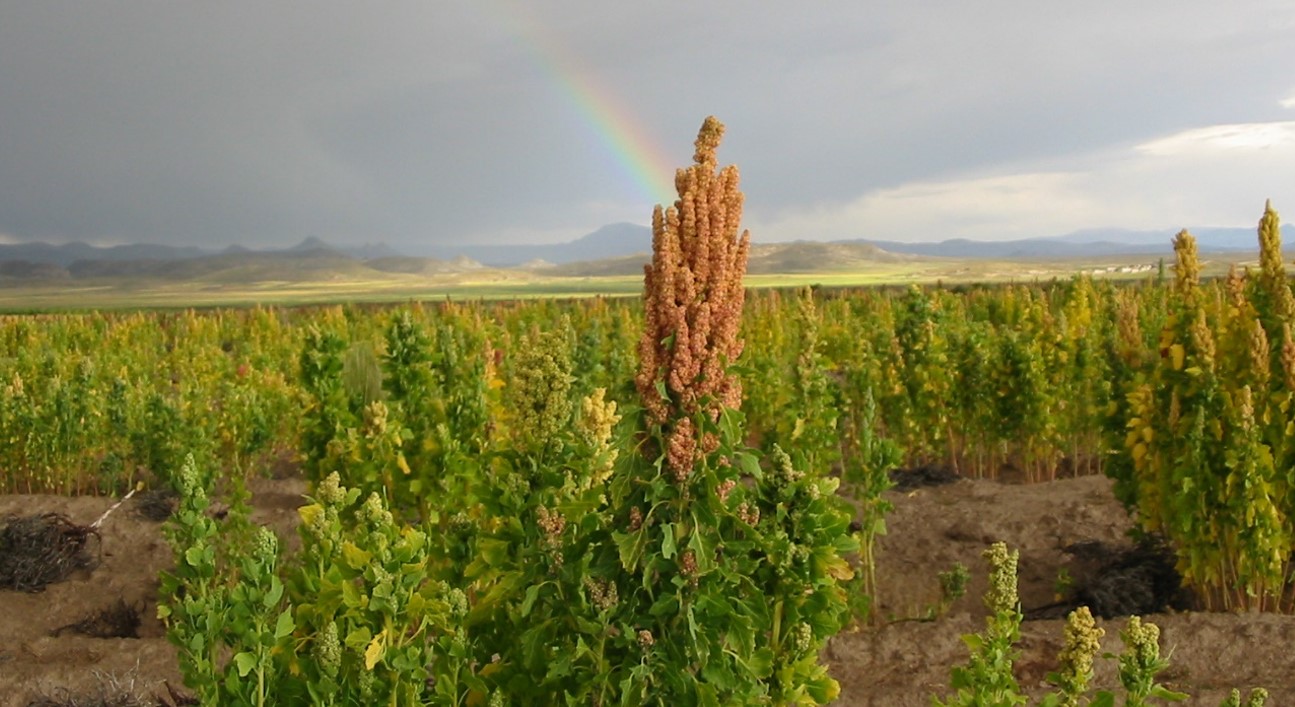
{"x":375,"y":513}
{"x":1142,"y":640}
{"x":188,"y":479}
{"x":1001,"y":597}
{"x":541,"y":387}
{"x":802,"y":638}
{"x":330,"y":491}
{"x":458,"y":602}
{"x":328,"y":649}
{"x":1083,"y":641}
{"x":266,"y":548}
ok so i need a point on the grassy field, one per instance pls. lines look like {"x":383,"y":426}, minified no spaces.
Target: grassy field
{"x":124,"y":293}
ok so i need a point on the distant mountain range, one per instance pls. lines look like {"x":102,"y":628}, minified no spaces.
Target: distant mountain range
{"x":1086,"y":243}
{"x":616,"y":249}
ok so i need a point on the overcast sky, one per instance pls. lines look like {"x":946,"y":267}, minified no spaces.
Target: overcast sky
{"x":497,"y":121}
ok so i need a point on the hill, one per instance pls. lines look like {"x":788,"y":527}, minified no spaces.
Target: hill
{"x":68,"y":253}
{"x":815,"y":256}
{"x":232,"y":267}
{"x":612,"y":241}
{"x":422,"y":266}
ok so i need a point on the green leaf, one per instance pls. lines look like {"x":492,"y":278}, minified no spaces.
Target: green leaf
{"x":493,"y":552}
{"x":1165,"y":693}
{"x":665,"y":605}
{"x":355,"y":558}
{"x":532,"y":593}
{"x":702,"y":545}
{"x":245,"y":662}
{"x":748,"y":464}
{"x":194,"y":556}
{"x":667,"y":542}
{"x":351,"y":595}
{"x":358,"y":638}
{"x":630,"y":546}
{"x":706,"y":696}
{"x":285,"y":625}
{"x":718,"y":674}
{"x":823,"y":689}
{"x":276,"y":591}
{"x":1103,"y":699}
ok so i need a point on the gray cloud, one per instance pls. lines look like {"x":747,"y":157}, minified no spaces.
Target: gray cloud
{"x":439,"y":122}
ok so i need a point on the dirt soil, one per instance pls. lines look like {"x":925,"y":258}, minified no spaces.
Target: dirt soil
{"x":901,"y":661}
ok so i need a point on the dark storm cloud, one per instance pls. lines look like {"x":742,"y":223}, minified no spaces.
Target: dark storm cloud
{"x":264,"y":123}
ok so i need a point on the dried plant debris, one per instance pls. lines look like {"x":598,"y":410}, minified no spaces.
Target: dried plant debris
{"x":117,"y":620}
{"x":1117,"y":581}
{"x":41,"y":549}
{"x":175,"y":698}
{"x":1136,"y":581}
{"x":156,"y":504}
{"x":111,"y":692}
{"x":67,"y":699}
{"x":922,"y":476}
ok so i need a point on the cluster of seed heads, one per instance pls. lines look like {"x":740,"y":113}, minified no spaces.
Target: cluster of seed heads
{"x":693,"y":296}
{"x":328,"y":649}
{"x":1001,"y":597}
{"x":602,"y":593}
{"x":1083,"y":639}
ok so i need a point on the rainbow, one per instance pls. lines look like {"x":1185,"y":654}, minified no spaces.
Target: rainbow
{"x":648,"y":167}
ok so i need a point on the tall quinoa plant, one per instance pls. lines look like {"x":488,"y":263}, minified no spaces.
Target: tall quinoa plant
{"x":735,"y":568}
{"x":1206,"y":478}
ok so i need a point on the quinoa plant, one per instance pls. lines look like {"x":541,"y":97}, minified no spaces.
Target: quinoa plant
{"x":192,"y":596}
{"x":1082,"y":643}
{"x":374,"y":624}
{"x":223,"y":603}
{"x":1206,"y":442}
{"x":924,"y":352}
{"x":1256,"y":698}
{"x":868,"y":460}
{"x":734,"y":569}
{"x":1139,"y":664}
{"x":549,"y":617}
{"x":331,"y":409}
{"x":987,"y":680}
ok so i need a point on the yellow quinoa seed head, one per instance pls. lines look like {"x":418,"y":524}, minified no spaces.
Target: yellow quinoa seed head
{"x":1188,"y":267}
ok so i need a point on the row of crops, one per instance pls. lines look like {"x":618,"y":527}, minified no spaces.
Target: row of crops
{"x":601,"y":501}
{"x":979,"y":379}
